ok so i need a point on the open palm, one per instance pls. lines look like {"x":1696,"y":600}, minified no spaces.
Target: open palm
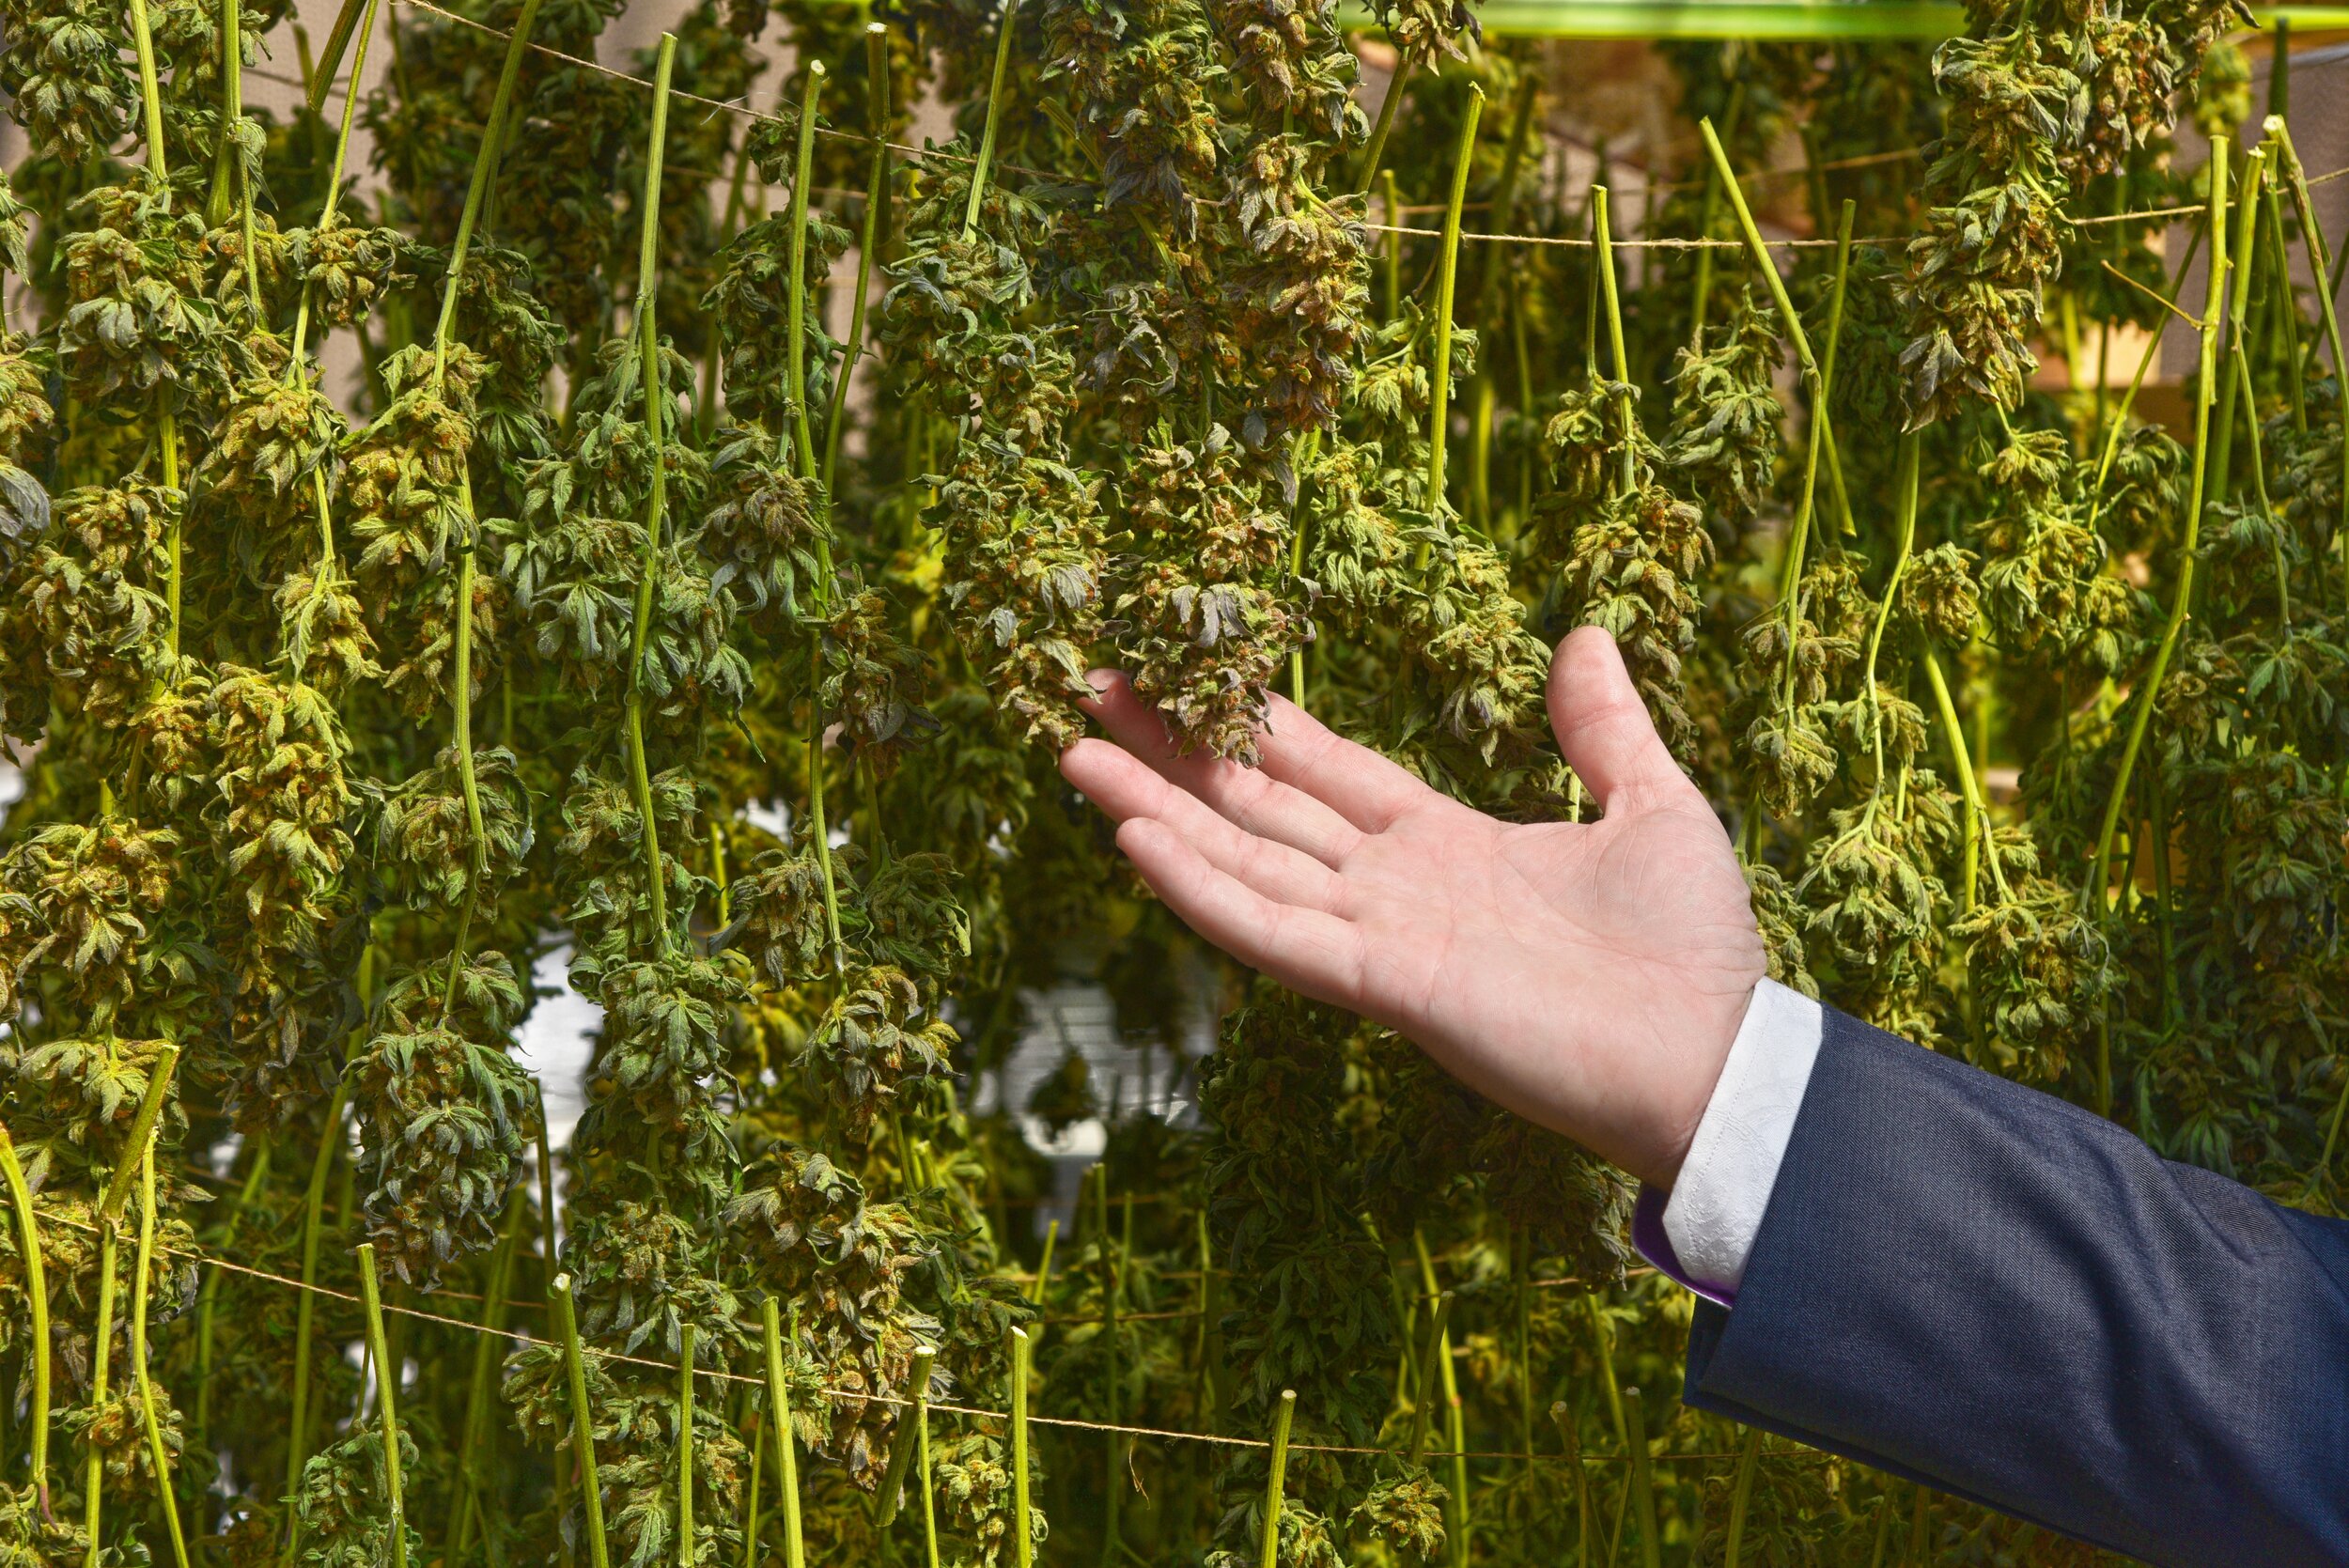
{"x":1589,"y":977}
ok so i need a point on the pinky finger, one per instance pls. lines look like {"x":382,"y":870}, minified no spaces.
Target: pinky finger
{"x":1303,"y":949}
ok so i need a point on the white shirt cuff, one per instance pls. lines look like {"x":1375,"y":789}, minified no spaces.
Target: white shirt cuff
{"x":1724,"y":1186}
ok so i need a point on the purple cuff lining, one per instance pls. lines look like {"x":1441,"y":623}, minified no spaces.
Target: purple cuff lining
{"x":1648,"y":1238}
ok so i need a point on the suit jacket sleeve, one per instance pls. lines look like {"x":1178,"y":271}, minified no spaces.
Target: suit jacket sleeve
{"x":1998,"y":1293}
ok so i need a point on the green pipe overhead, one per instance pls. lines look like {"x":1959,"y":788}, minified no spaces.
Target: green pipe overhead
{"x":1767,"y":19}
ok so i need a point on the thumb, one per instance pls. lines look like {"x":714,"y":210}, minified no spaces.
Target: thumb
{"x":1603,"y":728}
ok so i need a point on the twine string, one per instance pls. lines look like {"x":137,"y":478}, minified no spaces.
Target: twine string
{"x":2143,"y":215}
{"x":849,"y":1396}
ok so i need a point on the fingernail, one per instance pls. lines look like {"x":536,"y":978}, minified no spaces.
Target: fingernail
{"x":1101,"y":680}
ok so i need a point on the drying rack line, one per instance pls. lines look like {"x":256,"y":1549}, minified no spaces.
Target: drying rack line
{"x":852,"y":1396}
{"x":933,"y":154}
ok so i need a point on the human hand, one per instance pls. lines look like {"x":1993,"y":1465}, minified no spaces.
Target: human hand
{"x":1589,"y":977}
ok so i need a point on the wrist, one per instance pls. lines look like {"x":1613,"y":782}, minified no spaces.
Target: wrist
{"x":1689,"y":1083}
{"x":1722,"y":1187}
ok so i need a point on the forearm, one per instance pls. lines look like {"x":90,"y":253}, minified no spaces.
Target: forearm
{"x":1960,"y":1280}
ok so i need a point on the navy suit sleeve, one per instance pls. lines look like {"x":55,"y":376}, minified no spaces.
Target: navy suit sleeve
{"x":2000,"y":1295}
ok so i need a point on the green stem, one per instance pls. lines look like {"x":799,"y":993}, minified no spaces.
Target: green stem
{"x":1590,"y":300}
{"x":1522,"y":1322}
{"x":1374,"y":154}
{"x":1822,"y":432}
{"x":1423,"y":1392}
{"x":819,"y":830}
{"x":1044,"y":1268}
{"x":157,"y":1454}
{"x":2312,"y":235}
{"x":2157,"y":845}
{"x":1003,"y":29}
{"x":1906,"y":484}
{"x":1826,"y":370}
{"x":717,"y":876}
{"x":319,"y":73}
{"x":93,"y":1464}
{"x":2340,"y":270}
{"x":1643,"y":1480}
{"x":142,"y":1128}
{"x":1741,"y":1497}
{"x":1603,"y":248}
{"x":795,"y":371}
{"x":2104,"y":373}
{"x":1761,"y":254}
{"x":1455,"y":1428}
{"x":1447,"y":279}
{"x":1884,"y":1529}
{"x":1798,"y":554}
{"x":1602,"y":1342}
{"x":1276,"y":1481}
{"x":1390,"y":205}
{"x":36,"y":1291}
{"x":231,"y":111}
{"x":869,"y":237}
{"x":461,"y":731}
{"x":549,"y":1249}
{"x":1814,"y":173}
{"x":685,"y":1554}
{"x":1623,"y":1515}
{"x":1486,"y":399}
{"x":477,"y":1392}
{"x":1458,"y":1531}
{"x":582,"y":1420}
{"x":705,"y":407}
{"x":1305,"y":449}
{"x":1022,"y":1537}
{"x":2242,"y":263}
{"x":151,"y":99}
{"x":930,"y":1493}
{"x":333,"y":180}
{"x":234,"y":73}
{"x":2101,"y":864}
{"x":387,"y":1405}
{"x":750,"y":1493}
{"x":640,"y":785}
{"x":2242,"y":368}
{"x":1977,"y":811}
{"x":485,"y":164}
{"x":326,"y":547}
{"x":1113,"y":1268}
{"x":1708,"y":215}
{"x":1525,"y":405}
{"x":2119,"y":417}
{"x":313,"y":1206}
{"x":1488,"y":297}
{"x":1564,"y":1420}
{"x":886,"y":1501}
{"x":648,"y":571}
{"x":1209,"y":1405}
{"x":2284,"y":310}
{"x":786,"y":1451}
{"x":795,"y":357}
{"x":175,"y":543}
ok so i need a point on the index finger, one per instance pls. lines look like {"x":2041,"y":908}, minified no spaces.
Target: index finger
{"x":1249,"y":797}
{"x":1367,"y":790}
